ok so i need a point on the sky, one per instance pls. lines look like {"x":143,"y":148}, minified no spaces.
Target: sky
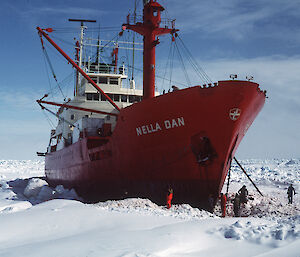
{"x":259,"y":38}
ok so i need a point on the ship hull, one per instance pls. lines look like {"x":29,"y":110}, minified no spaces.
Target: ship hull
{"x":184,"y":140}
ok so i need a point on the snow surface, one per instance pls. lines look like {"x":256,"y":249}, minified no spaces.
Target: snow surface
{"x":36,"y":220}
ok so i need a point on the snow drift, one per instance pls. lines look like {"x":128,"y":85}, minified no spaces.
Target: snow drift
{"x":37,"y":220}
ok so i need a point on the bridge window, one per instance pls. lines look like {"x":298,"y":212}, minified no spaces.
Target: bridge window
{"x":96,"y":97}
{"x":124,"y":98}
{"x":92,"y":96}
{"x":89,"y":96}
{"x":132,"y":99}
{"x":114,"y":81}
{"x":103,"y":80}
{"x":116,"y":98}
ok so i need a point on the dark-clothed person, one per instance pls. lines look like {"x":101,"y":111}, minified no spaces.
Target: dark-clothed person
{"x":236,"y":205}
{"x":175,"y":88}
{"x":243,"y":194}
{"x":291,"y":192}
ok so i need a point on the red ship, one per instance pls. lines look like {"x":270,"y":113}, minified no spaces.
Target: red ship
{"x":115,"y":143}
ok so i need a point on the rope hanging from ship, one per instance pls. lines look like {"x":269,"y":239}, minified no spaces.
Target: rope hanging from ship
{"x":51,"y":67}
{"x":59,"y":85}
{"x":177,"y":49}
{"x":51,"y":92}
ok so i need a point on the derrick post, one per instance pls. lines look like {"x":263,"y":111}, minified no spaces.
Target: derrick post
{"x":150,"y":29}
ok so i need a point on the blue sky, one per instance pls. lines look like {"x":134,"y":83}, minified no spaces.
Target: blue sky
{"x":259,"y":38}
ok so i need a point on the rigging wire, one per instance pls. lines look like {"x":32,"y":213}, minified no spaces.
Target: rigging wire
{"x":65,"y":121}
{"x":62,"y":40}
{"x":48,"y":60}
{"x":48,"y":76}
{"x":127,"y":54}
{"x":48,"y":119}
{"x":115,"y":38}
{"x":65,"y":82}
{"x":171,"y":66}
{"x":49,"y":63}
{"x":91,"y":29}
{"x":127,"y":59}
{"x":201,"y":73}
{"x":168,"y":61}
{"x":183,"y":66}
{"x":133,"y":39}
{"x":52,"y":70}
{"x":158,"y":76}
{"x":59,"y":84}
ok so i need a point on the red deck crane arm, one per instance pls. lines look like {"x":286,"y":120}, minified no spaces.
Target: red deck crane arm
{"x":41,"y":32}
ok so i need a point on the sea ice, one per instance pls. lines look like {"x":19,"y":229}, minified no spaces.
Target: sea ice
{"x":34,"y":225}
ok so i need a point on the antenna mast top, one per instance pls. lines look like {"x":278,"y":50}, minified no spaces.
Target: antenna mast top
{"x":82,"y":27}
{"x":82,"y":21}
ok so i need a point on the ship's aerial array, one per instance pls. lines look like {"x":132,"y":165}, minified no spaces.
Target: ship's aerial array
{"x":115,"y":142}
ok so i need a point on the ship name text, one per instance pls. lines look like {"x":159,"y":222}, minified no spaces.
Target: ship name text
{"x":156,"y":126}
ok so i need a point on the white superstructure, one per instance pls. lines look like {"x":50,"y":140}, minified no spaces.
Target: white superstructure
{"x":74,"y":124}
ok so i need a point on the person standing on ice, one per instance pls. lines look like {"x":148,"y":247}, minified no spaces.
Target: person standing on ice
{"x":243,"y":194}
{"x":169,"y":197}
{"x":223,"y":204}
{"x":236,"y":205}
{"x":291,"y":192}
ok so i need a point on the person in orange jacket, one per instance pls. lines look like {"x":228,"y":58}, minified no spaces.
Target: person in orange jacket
{"x":223,"y":204}
{"x":169,"y":197}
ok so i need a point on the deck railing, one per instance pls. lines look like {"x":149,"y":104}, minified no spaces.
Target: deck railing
{"x":105,"y":68}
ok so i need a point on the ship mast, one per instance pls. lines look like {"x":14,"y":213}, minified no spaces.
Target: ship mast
{"x":82,"y":28}
{"x":150,"y":29}
{"x":133,"y":41}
